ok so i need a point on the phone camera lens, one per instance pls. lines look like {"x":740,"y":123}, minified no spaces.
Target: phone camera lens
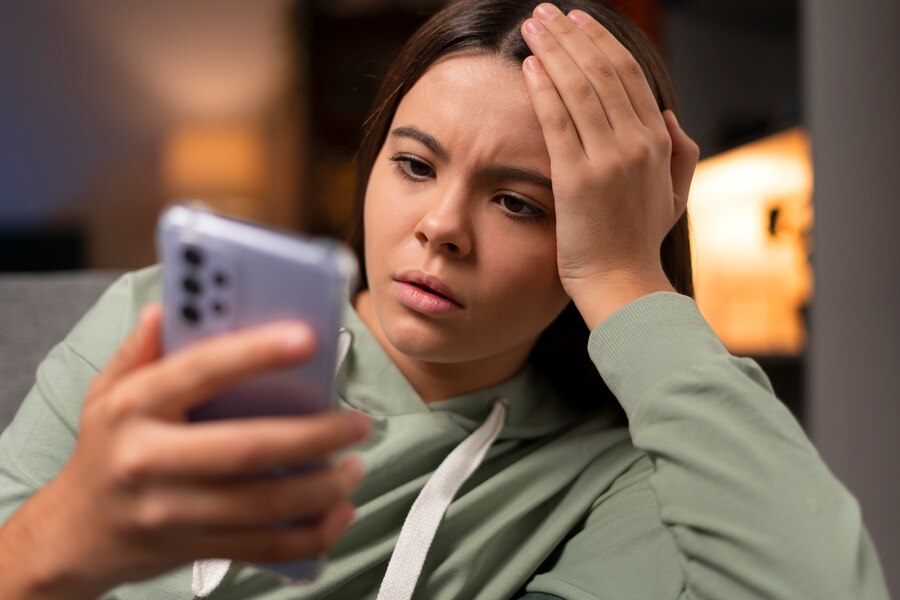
{"x":221,"y":279}
{"x":190,"y":313}
{"x":191,"y":285}
{"x":193,"y":256}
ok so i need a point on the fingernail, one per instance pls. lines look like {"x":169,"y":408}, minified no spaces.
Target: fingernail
{"x":344,"y":518}
{"x":144,"y":315}
{"x":534,"y":26}
{"x":357,"y":426}
{"x":533,"y":64}
{"x":545,"y":12}
{"x":353,"y":470}
{"x":295,"y":338}
{"x":578,"y":17}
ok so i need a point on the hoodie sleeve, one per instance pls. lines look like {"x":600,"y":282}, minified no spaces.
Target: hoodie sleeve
{"x":38,"y":442}
{"x":752,"y":509}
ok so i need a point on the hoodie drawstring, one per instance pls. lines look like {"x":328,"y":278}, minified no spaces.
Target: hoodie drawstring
{"x":428,"y":510}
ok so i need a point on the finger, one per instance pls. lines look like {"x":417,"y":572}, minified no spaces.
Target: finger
{"x":265,"y":544}
{"x":572,"y":84}
{"x":560,"y":134}
{"x":630,"y":74}
{"x":588,"y":81}
{"x":234,"y":448}
{"x":245,"y":503}
{"x":140,"y":347}
{"x":172,"y":386}
{"x":685,"y":154}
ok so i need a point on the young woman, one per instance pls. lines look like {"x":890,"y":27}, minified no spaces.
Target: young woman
{"x":506,"y":200}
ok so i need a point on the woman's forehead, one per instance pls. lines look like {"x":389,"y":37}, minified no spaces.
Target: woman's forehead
{"x":474,"y":101}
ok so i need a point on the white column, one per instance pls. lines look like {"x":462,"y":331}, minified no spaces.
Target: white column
{"x":852,"y":97}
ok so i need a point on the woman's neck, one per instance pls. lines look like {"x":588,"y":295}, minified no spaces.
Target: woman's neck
{"x":433,"y":380}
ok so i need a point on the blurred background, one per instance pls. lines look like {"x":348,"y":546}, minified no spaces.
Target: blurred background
{"x":111,"y":110}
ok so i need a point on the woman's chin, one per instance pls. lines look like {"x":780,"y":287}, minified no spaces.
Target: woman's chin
{"x":420,"y":342}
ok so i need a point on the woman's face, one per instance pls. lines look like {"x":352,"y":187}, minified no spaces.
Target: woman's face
{"x":459,"y":201}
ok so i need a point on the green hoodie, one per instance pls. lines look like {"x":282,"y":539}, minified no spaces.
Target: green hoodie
{"x":713,"y":491}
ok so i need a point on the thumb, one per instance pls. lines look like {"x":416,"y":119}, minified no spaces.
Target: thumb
{"x":685,"y":154}
{"x":143,"y":345}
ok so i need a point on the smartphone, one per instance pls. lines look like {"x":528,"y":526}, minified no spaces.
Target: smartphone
{"x":221,"y":274}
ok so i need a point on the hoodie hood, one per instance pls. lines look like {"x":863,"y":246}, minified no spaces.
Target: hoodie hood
{"x":370,"y":382}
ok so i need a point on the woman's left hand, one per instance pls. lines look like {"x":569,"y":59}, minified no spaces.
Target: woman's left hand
{"x":620,"y":168}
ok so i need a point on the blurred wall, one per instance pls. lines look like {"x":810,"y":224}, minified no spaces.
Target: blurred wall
{"x":853,"y":80}
{"x":736,"y":68}
{"x":90,"y":90}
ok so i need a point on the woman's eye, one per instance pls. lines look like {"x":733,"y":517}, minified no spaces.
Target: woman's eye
{"x":513,"y":204}
{"x":419,"y":169}
{"x":412,"y":168}
{"x":519,"y":207}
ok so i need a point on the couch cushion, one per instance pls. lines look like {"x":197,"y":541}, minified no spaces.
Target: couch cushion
{"x":36,"y":311}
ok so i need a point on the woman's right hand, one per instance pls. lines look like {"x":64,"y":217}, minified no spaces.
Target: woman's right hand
{"x":146,"y":491}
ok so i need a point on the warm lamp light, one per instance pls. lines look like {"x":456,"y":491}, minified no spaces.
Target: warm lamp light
{"x":751,"y":211}
{"x":222,"y":165}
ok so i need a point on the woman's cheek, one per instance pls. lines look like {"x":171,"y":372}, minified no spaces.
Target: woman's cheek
{"x":529,"y":265}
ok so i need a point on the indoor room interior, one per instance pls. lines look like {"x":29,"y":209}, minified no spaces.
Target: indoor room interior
{"x":110,"y":112}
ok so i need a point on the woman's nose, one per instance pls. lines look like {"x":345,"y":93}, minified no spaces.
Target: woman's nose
{"x":445,"y":227}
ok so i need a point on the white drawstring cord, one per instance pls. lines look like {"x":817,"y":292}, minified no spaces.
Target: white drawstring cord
{"x":207,"y":575}
{"x":428,"y":510}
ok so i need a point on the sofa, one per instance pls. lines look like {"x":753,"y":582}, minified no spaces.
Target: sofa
{"x":36,"y":312}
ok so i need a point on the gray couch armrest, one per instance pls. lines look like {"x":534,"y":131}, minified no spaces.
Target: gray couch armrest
{"x":36,"y":311}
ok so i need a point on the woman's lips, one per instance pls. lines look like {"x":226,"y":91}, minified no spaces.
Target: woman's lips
{"x":413,"y":297}
{"x":424,"y":293}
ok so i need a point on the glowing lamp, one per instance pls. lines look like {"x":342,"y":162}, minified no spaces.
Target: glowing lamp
{"x":751,"y":212}
{"x":221,"y":165}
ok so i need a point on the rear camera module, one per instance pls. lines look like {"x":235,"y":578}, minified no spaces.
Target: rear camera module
{"x":193,"y":256}
{"x":191,"y":285}
{"x":190,"y":314}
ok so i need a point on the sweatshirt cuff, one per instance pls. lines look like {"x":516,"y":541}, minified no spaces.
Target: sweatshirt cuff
{"x":648,"y":341}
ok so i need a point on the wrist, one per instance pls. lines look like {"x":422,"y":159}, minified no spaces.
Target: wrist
{"x":599,"y":297}
{"x":33,"y":555}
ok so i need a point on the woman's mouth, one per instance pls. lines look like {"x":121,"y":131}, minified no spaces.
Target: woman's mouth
{"x":424,"y":293}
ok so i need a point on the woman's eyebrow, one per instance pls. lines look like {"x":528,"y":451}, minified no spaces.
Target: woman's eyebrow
{"x":504,"y":172}
{"x":423,"y":138}
{"x":518,"y":174}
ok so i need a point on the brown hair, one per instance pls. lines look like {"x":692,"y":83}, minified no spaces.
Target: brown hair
{"x":493,"y":26}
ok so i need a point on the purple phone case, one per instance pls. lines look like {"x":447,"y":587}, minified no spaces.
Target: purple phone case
{"x":220,"y":274}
